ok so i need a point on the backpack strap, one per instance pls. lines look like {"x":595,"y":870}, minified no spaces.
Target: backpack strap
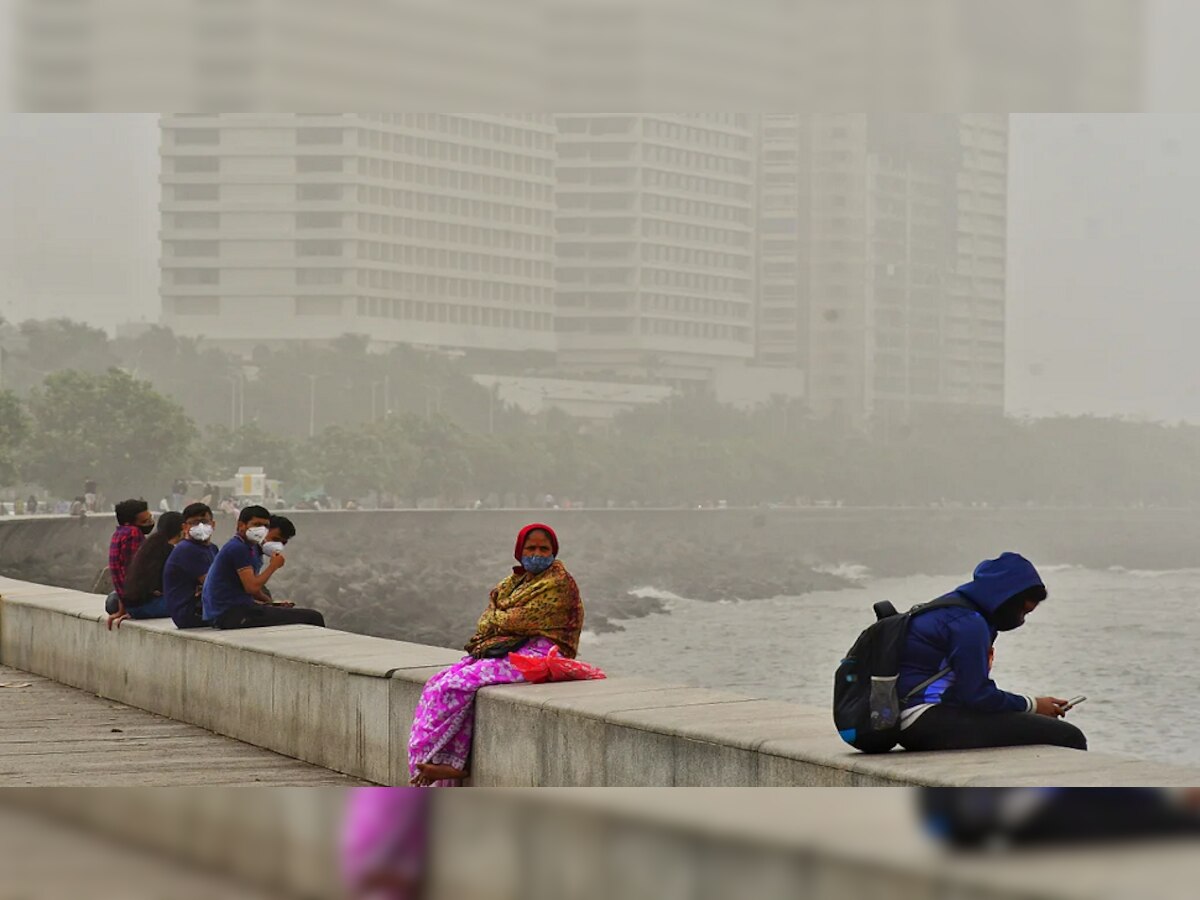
{"x":944,"y":602}
{"x":926,"y":683}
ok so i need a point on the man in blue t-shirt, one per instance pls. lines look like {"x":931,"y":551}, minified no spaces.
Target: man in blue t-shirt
{"x":187,"y":567}
{"x":233,"y":594}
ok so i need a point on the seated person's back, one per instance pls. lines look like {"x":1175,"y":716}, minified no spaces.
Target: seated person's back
{"x":144,"y":578}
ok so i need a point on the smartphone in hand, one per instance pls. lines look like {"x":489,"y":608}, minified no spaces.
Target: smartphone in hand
{"x":1072,"y":703}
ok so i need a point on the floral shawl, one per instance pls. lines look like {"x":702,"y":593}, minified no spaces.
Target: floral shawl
{"x":525,"y":606}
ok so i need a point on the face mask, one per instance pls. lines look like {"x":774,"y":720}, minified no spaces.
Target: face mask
{"x":270,"y":548}
{"x":257,"y":535}
{"x":200,"y":532}
{"x":1009,"y":616}
{"x":536,"y":564}
{"x":146,"y":529}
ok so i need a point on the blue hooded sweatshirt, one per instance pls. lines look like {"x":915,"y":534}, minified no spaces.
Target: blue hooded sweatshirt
{"x":959,"y":638}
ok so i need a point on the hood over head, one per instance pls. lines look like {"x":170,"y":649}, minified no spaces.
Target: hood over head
{"x":996,"y":581}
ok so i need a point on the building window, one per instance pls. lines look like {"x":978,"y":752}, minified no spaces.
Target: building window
{"x":197,"y":164}
{"x":197,"y":306}
{"x":197,"y":136}
{"x":195,"y":192}
{"x":319,"y":164}
{"x":319,"y":220}
{"x":195,"y":276}
{"x":195,"y":248}
{"x":318,"y":248}
{"x":318,"y":276}
{"x":310,"y":136}
{"x":197,"y":220}
{"x":320,"y":306}
{"x":318,"y":192}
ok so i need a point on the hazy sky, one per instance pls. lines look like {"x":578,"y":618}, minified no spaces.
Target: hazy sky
{"x":1104,"y":219}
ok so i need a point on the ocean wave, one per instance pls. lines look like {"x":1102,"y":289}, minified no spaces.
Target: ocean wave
{"x":654,"y":593}
{"x":848,"y":570}
{"x":1154,"y":573}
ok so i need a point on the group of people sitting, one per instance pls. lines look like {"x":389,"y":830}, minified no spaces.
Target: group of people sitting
{"x":951,"y":701}
{"x":173,"y":569}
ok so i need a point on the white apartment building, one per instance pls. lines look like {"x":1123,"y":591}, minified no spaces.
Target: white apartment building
{"x":418,"y":228}
{"x":882,"y":259}
{"x":655,"y":244}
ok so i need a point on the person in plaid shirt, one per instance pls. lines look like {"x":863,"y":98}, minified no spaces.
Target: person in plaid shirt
{"x":134,"y":522}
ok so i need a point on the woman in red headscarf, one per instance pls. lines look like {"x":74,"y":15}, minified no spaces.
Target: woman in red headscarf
{"x":533,"y":610}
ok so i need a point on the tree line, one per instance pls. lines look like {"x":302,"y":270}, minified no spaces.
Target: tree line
{"x":406,"y":425}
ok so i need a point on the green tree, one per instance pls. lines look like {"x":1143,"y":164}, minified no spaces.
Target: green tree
{"x":40,"y":347}
{"x":376,"y":457}
{"x":110,"y":427}
{"x":443,"y":467}
{"x":14,"y":429}
{"x":223,"y":451}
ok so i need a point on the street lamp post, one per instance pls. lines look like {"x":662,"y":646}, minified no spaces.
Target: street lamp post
{"x":233,"y":401}
{"x":312,"y":405}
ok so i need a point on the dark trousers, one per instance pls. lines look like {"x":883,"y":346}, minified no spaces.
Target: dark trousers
{"x":260,"y":616}
{"x":944,"y":727}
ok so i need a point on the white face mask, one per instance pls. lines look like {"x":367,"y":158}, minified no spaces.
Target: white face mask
{"x":270,"y":548}
{"x":200,"y":532}
{"x":257,"y":535}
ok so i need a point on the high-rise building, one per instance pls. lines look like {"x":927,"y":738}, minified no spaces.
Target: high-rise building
{"x":655,"y":244}
{"x":882,"y":259}
{"x":419,"y":228}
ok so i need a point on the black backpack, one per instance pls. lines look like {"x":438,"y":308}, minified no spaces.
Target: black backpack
{"x":866,"y":708}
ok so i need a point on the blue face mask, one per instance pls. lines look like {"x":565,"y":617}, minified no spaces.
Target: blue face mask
{"x":536,"y":564}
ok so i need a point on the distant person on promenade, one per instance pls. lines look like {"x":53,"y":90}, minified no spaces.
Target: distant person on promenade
{"x":535,"y":608}
{"x":961,"y":708}
{"x":144,"y":597}
{"x":234,"y":584}
{"x":134,"y":523}
{"x":31,"y":505}
{"x":187,"y":567}
{"x":90,"y":495}
{"x":178,"y":489}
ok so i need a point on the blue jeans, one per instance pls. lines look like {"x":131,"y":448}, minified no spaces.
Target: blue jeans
{"x":155,"y":609}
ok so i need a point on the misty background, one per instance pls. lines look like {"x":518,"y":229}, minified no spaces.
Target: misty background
{"x":1096,"y":303}
{"x":1102,"y":269}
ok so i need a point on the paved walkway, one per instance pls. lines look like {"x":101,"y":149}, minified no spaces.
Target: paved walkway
{"x":53,"y":735}
{"x":45,"y":859}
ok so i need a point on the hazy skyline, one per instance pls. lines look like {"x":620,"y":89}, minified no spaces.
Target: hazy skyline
{"x":1102,"y":213}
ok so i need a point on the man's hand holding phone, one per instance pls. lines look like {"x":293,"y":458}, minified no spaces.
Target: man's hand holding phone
{"x":1050,"y":706}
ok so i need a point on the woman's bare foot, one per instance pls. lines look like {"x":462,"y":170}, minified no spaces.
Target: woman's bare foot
{"x":428,"y":773}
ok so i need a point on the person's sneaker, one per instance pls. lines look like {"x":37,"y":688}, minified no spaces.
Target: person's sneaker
{"x":112,"y":604}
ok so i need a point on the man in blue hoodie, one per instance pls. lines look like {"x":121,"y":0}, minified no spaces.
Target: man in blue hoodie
{"x":964,"y":709}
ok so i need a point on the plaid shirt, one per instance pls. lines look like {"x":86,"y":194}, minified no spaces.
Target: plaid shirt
{"x":125,"y":542}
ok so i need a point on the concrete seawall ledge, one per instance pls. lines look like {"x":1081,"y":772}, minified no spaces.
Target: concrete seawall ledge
{"x":345,"y":701}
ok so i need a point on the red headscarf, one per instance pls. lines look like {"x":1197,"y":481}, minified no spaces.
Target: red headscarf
{"x":536,"y":526}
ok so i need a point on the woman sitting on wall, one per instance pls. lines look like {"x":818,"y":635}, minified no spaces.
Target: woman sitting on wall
{"x":534,"y":609}
{"x":144,"y":581}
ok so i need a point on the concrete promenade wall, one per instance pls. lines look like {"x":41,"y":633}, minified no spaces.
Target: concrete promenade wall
{"x":633,"y":844}
{"x":893,"y":541}
{"x":345,"y":701}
